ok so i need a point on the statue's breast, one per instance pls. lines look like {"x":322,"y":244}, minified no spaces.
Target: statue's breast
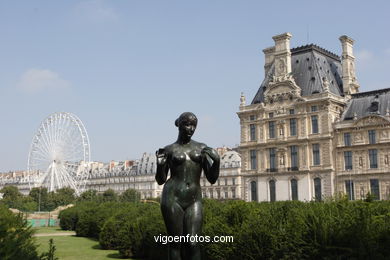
{"x":178,"y":157}
{"x":195,"y":156}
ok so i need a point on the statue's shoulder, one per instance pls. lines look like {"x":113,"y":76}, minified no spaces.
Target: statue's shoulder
{"x":198,"y":144}
{"x":170,"y":147}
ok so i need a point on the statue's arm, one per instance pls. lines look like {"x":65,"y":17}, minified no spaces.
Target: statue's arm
{"x":210,"y":164}
{"x":162,"y":166}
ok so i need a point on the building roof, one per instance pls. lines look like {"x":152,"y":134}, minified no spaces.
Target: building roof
{"x":311,"y":66}
{"x":230,"y":159}
{"x":362,"y":104}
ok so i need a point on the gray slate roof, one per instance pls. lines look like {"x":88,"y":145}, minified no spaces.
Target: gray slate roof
{"x":310,"y":66}
{"x":367,"y":103}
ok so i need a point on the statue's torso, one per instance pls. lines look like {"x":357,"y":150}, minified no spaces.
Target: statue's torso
{"x":184,"y":162}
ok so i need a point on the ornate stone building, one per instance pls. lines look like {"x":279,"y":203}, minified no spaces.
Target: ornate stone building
{"x":362,"y":140}
{"x":289,"y":146}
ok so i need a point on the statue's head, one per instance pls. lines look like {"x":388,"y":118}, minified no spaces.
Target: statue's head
{"x":186,"y":123}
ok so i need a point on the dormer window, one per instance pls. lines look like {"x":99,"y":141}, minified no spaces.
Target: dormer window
{"x":374,"y":105}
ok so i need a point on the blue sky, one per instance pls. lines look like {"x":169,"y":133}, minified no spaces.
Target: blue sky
{"x":127,"y":69}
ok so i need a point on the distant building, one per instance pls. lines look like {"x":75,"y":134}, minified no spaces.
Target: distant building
{"x":140,"y":175}
{"x":292,"y":144}
{"x":228,"y":185}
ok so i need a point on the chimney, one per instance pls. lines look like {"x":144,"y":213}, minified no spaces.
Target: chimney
{"x":269,"y":58}
{"x":350,"y":84}
{"x":282,"y":54}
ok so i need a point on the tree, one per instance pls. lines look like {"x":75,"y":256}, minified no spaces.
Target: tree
{"x":110,"y":195}
{"x":89,"y":195}
{"x":12,"y":196}
{"x":130,"y":195}
{"x":64,"y":196}
{"x":40,"y":196}
{"x":16,"y":241}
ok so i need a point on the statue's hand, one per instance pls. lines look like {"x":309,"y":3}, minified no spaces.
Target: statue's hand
{"x":210,"y":152}
{"x":161,"y":156}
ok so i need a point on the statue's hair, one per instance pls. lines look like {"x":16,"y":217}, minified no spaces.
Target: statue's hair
{"x":183,"y":116}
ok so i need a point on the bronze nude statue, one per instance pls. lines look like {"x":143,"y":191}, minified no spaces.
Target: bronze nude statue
{"x":181,"y":201}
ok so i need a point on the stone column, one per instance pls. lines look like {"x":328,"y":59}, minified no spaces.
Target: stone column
{"x":269,"y":59}
{"x":350,"y":84}
{"x":282,"y":55}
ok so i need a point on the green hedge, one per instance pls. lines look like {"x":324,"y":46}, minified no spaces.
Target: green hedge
{"x":280,"y":230}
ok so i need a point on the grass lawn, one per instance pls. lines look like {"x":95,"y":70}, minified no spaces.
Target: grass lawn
{"x":40,"y":230}
{"x":72,"y":247}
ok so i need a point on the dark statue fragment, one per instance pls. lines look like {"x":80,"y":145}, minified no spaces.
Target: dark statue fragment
{"x":181,"y":201}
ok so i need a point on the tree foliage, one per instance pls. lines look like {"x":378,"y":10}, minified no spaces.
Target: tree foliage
{"x":16,"y":240}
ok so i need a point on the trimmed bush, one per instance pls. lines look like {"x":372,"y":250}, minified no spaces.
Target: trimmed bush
{"x":280,"y":230}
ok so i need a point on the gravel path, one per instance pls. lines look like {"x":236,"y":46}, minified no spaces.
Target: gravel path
{"x":57,"y":234}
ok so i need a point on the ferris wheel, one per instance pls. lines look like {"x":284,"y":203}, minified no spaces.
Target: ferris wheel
{"x":59,"y":154}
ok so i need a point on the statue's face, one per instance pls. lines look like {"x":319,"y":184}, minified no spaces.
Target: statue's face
{"x":187,"y":126}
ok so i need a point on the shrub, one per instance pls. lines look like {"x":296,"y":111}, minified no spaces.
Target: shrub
{"x":334,"y":229}
{"x":69,"y":218}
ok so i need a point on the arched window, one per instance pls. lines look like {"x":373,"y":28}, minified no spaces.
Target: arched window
{"x":294,"y":189}
{"x":317,"y":189}
{"x":253,"y":191}
{"x":272,"y":191}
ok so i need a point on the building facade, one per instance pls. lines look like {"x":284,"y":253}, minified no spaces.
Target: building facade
{"x":292,"y":132}
{"x":362,"y":140}
{"x":140,"y":176}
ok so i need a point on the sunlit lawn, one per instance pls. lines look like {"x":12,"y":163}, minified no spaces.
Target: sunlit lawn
{"x":41,"y":230}
{"x":72,"y":247}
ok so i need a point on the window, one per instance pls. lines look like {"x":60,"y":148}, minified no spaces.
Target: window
{"x":371,"y":136}
{"x":372,"y":153}
{"x":350,"y":189}
{"x":348,"y":160}
{"x":294,"y":189}
{"x":314,"y":124}
{"x":272,"y":191}
{"x":253,"y":160}
{"x":271,"y":128}
{"x":317,"y":189}
{"x":294,"y":157}
{"x":271,"y":115}
{"x":292,"y":111}
{"x":225,"y":182}
{"x":226,"y":195}
{"x":234,"y":181}
{"x":252,"y":130}
{"x":314,"y":108}
{"x":293,"y":126}
{"x":374,"y":187}
{"x":253,"y":191}
{"x":252,"y":117}
{"x":347,"y":139}
{"x":233,"y":193}
{"x":218,"y":194}
{"x":272,"y":159}
{"x":316,"y":154}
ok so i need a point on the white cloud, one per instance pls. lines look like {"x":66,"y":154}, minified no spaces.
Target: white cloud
{"x":95,"y":11}
{"x":34,"y":80}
